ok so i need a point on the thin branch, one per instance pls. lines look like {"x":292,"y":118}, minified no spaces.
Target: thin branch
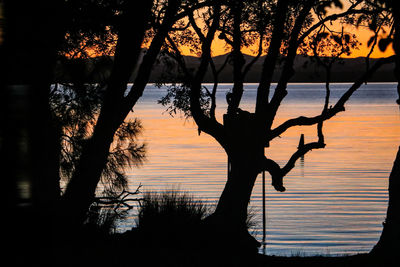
{"x":339,"y":106}
{"x":333,"y":17}
{"x":195,"y":26}
{"x":255,"y":59}
{"x":298,"y":154}
{"x":181,"y":28}
{"x":178,"y":56}
{"x":271,"y":58}
{"x":121,"y":200}
{"x":288,"y":71}
{"x":204,"y":122}
{"x":145,"y":68}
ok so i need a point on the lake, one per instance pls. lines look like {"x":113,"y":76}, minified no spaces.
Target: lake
{"x":336,"y":197}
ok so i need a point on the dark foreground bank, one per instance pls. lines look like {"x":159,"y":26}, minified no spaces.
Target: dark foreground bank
{"x":141,"y":248}
{"x":172,"y":230}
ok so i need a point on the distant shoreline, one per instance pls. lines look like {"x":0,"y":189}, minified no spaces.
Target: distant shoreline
{"x":346,"y":70}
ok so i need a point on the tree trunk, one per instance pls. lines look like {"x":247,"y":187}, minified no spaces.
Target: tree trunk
{"x":389,"y":241}
{"x":229,"y":221}
{"x":81,"y":189}
{"x":245,"y":154}
{"x":236,"y":195}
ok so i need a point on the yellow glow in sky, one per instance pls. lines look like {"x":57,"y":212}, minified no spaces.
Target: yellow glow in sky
{"x":218,"y":47}
{"x":363,"y":34}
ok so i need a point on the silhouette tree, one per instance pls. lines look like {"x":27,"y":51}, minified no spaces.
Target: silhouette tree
{"x":77,"y":127}
{"x":76,"y":30}
{"x":31,"y":148}
{"x":283,"y":28}
{"x":389,"y":12}
{"x":389,"y":241}
{"x":148,"y":25}
{"x":81,"y":76}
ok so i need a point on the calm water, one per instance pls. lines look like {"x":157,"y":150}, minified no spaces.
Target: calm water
{"x":336,"y":197}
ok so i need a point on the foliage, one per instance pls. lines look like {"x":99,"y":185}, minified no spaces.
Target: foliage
{"x":177,"y":100}
{"x":102,"y":219}
{"x":77,"y":98}
{"x":92,"y":28}
{"x":76,"y":107}
{"x":378,"y":18}
{"x":170,"y":209}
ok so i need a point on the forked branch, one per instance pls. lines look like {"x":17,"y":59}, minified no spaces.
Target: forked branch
{"x":338,"y":107}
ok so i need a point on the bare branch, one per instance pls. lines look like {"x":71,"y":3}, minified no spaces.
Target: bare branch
{"x":145,"y":68}
{"x":205,"y":123}
{"x":195,"y":26}
{"x":277,"y":173}
{"x":271,"y":58}
{"x":339,"y":106}
{"x":120,"y":200}
{"x":288,"y":71}
{"x":299,"y":153}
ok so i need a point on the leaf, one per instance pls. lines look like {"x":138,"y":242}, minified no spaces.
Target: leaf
{"x":359,"y":20}
{"x":320,"y":10}
{"x":337,"y":39}
{"x":373,"y":24}
{"x":383,"y":43}
{"x":322,"y":35}
{"x":338,"y":4}
{"x":347,"y":38}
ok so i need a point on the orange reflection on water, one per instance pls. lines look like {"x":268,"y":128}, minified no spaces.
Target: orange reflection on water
{"x":336,"y":197}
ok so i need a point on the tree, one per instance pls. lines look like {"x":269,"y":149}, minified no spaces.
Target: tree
{"x":283,"y":28}
{"x":150,"y":25}
{"x":390,"y":237}
{"x":388,"y":243}
{"x":94,"y":115}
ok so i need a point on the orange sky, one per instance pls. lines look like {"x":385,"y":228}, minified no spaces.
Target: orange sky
{"x":363,"y":34}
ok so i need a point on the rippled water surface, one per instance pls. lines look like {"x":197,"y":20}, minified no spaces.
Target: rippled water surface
{"x":336,"y":197}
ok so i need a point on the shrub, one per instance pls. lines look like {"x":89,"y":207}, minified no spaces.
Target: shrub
{"x":169,"y":210}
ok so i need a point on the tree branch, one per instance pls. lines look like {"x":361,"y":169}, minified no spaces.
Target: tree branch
{"x":333,"y":17}
{"x":339,"y":106}
{"x":144,"y":71}
{"x":271,"y":58}
{"x":288,"y":71}
{"x":204,"y":123}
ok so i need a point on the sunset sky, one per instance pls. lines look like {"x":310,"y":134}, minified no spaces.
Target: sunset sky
{"x":363,"y":34}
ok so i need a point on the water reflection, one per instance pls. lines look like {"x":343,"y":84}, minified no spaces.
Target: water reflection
{"x":337,"y":206}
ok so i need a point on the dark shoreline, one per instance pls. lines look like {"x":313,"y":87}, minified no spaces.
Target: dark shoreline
{"x":306,"y":70}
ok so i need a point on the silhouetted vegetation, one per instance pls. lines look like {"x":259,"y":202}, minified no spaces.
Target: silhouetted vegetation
{"x":64,"y":138}
{"x":169,"y":209}
{"x":282,"y":30}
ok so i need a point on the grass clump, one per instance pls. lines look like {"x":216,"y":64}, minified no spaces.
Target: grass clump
{"x":170,"y":209}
